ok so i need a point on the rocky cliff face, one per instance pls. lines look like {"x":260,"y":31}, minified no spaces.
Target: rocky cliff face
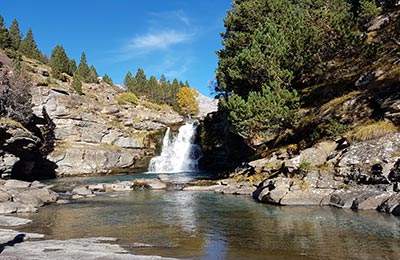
{"x":91,"y":133}
{"x":94,"y":134}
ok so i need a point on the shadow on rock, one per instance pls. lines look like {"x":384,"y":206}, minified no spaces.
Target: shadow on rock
{"x":17,"y":239}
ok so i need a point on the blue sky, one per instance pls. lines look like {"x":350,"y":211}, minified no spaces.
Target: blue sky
{"x":177,"y":38}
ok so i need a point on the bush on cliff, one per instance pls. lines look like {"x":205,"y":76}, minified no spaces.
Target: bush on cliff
{"x":15,"y":97}
{"x":127,"y":98}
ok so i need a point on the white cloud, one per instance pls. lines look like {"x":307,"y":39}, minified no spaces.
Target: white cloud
{"x":160,"y":40}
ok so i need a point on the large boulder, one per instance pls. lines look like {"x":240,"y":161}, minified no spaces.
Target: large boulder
{"x":391,"y":205}
{"x":394,"y":175}
{"x":20,"y":196}
{"x":306,"y":197}
{"x":272,"y":191}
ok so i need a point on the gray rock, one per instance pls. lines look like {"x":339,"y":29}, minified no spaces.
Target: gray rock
{"x":15,"y":207}
{"x":371,"y":152}
{"x":240,"y":188}
{"x":9,"y":234}
{"x":13,"y":221}
{"x":82,"y":191}
{"x":93,"y":134}
{"x":7,"y":162}
{"x":111,"y":137}
{"x":97,"y":187}
{"x":4,"y":196}
{"x":377,"y":23}
{"x":370,"y":200}
{"x":153,"y":184}
{"x":311,"y":196}
{"x":394,"y":175}
{"x":16,"y":184}
{"x":110,"y":110}
{"x":391,"y":205}
{"x":27,"y":199}
{"x":118,"y":186}
{"x":44,"y":194}
{"x":344,"y":198}
{"x":272,"y":191}
{"x":127,"y":142}
{"x":259,"y":165}
{"x":316,"y":155}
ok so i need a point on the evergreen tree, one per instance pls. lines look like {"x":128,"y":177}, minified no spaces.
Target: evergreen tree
{"x":59,"y":62}
{"x":187,"y":85}
{"x":140,"y":80}
{"x":163,"y":80}
{"x":128,"y":81}
{"x":138,"y":84}
{"x":71,"y":67}
{"x":153,"y":89}
{"x":106,"y":79}
{"x":93,"y":75}
{"x":5,"y":40}
{"x":264,"y":41}
{"x":175,"y":85}
{"x":263,"y":115}
{"x":15,"y":35}
{"x":164,"y":89}
{"x":83,"y":69}
{"x":28,"y":46}
{"x":77,"y":84}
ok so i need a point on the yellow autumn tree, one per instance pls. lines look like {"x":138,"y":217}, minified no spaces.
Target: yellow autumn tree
{"x":187,"y":103}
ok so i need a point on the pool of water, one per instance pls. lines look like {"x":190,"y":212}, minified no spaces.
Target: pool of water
{"x":203,"y":225}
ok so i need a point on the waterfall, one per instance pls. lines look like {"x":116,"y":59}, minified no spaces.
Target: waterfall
{"x":179,"y":153}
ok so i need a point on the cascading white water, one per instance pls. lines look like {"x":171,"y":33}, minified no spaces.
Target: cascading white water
{"x":179,"y":153}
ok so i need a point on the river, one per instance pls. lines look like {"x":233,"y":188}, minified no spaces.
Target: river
{"x":204,"y":225}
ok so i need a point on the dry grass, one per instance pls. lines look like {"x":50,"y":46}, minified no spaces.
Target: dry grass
{"x":372,"y":131}
{"x":334,"y":103}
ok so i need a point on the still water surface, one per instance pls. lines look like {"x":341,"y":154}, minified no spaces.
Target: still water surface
{"x":202,"y":225}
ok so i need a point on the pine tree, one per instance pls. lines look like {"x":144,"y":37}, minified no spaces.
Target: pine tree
{"x":77,"y":84}
{"x":59,"y":62}
{"x":138,"y":84}
{"x":83,"y":69}
{"x":140,"y":80}
{"x":93,"y":75}
{"x":128,"y":80}
{"x":28,"y":46}
{"x":15,"y":35}
{"x":163,"y":79}
{"x":152,"y":89}
{"x":187,"y":84}
{"x":106,"y":79}
{"x":5,"y":40}
{"x":71,"y":67}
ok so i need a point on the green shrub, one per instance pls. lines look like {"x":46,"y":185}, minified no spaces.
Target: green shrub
{"x":127,"y":98}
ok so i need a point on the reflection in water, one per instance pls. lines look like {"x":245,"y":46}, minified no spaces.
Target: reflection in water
{"x":212,"y":226}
